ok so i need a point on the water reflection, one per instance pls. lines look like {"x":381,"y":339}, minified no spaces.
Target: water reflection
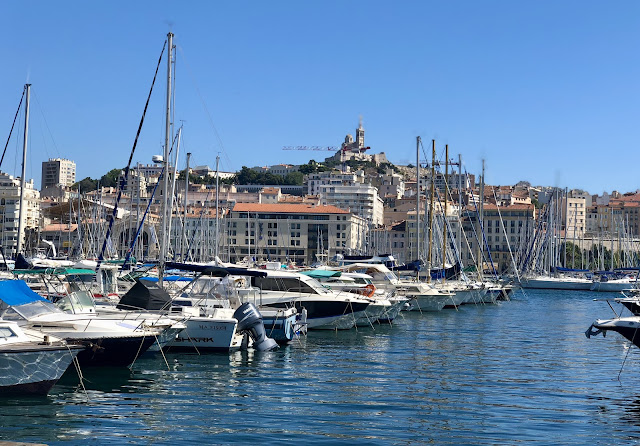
{"x":492,"y":374}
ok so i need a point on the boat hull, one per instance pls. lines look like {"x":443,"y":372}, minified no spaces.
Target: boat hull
{"x":327,"y":315}
{"x":210,"y":334}
{"x":628,"y":328}
{"x":114,"y":352}
{"x":612,"y":286}
{"x":33,"y":371}
{"x":556,"y":284}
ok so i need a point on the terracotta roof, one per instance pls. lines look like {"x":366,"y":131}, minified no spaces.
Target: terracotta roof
{"x":287,"y":208}
{"x":513,"y":207}
{"x":60,"y":227}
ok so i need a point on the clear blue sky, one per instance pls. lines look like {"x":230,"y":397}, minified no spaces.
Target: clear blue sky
{"x":545,"y":91}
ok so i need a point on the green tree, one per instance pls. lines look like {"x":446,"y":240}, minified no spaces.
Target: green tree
{"x":294,"y":179}
{"x":110,"y":179}
{"x":86,"y":185}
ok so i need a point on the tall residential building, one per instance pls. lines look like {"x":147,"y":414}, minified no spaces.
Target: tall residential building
{"x":58,"y":172}
{"x":10,"y":210}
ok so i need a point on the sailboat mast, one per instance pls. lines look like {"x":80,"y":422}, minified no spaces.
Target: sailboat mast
{"x":167,"y":136}
{"x":444,"y":217}
{"x":481,"y":224}
{"x":460,"y":204}
{"x":183,"y":240}
{"x":217,"y":207}
{"x":21,"y":213}
{"x":418,"y":200}
{"x":433,"y":174}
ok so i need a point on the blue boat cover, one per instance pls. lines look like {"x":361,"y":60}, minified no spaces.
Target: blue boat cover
{"x":17,"y":292}
{"x":568,"y":270}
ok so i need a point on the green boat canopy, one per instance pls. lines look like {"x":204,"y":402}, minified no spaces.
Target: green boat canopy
{"x":322,"y":273}
{"x":56,"y":271}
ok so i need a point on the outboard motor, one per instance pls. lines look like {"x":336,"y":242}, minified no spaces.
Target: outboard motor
{"x":250,"y":320}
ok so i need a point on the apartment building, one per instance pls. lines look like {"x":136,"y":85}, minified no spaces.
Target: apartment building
{"x":10,"y":211}
{"x":58,"y":172}
{"x":296,"y":233}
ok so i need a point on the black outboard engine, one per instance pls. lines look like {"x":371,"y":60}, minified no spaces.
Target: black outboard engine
{"x":250,"y":320}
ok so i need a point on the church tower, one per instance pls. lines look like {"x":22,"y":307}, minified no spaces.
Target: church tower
{"x":360,"y":136}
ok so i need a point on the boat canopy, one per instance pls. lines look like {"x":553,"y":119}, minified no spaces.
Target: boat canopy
{"x":17,"y":292}
{"x":569,"y":270}
{"x":147,"y":295}
{"x":57,"y":271}
{"x":322,"y":273}
{"x":168,"y":279}
{"x":216,"y":271}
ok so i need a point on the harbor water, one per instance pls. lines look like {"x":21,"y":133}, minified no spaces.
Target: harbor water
{"x":516,"y":372}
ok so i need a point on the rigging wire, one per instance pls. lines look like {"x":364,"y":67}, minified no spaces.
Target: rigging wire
{"x":12,"y":126}
{"x":46,"y":124}
{"x":123,"y":181}
{"x":204,"y":105}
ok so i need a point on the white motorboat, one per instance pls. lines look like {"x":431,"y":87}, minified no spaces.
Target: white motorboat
{"x":613,"y":285}
{"x":385,"y":305}
{"x":323,"y":308}
{"x":421,"y":296}
{"x":112,"y":342}
{"x":30,"y":361}
{"x":628,"y":327}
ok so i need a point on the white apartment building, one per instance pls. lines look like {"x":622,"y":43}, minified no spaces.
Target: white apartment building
{"x":296,"y":233}
{"x":58,"y":172}
{"x":315,"y":181}
{"x":10,"y":210}
{"x":454,"y":180}
{"x":349,"y":192}
{"x":283,"y":169}
{"x":360,"y":199}
{"x":574,"y":217}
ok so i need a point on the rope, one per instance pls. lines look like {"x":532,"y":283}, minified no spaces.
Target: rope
{"x":144,"y":336}
{"x":162,"y":353}
{"x":627,"y":355}
{"x":79,"y":372}
{"x":191,"y":340}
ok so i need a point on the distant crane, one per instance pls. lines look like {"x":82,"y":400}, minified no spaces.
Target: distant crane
{"x":321,"y":148}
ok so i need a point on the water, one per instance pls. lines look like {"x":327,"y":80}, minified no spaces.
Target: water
{"x":516,"y":372}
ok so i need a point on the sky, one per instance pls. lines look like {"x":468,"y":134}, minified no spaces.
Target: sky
{"x":544,"y":91}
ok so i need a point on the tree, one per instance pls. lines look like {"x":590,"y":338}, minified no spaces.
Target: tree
{"x":294,"y":179}
{"x":110,"y":179}
{"x":86,"y":185}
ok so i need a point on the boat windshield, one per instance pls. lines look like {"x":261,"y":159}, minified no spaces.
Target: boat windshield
{"x":28,"y":311}
{"x":290,"y":284}
{"x":77,"y":302}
